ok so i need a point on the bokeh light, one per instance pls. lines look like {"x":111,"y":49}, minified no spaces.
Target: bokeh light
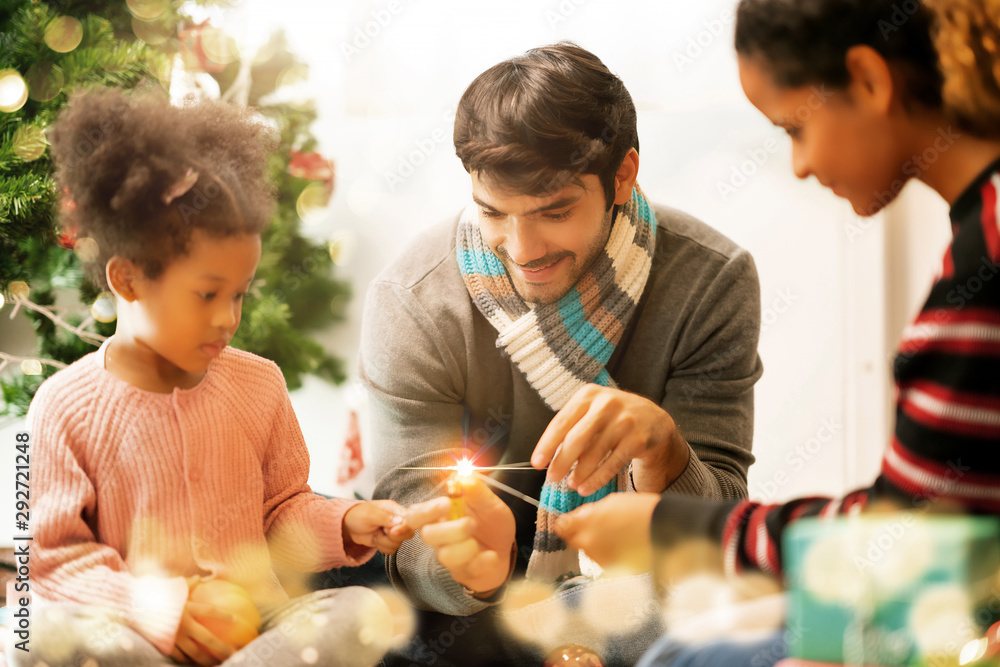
{"x":343,"y":245}
{"x":13,"y":91}
{"x":219,"y":47}
{"x":941,"y":619}
{"x":148,"y":9}
{"x":2,"y":300}
{"x":18,"y":290}
{"x":311,"y":204}
{"x":45,"y":81}
{"x":31,"y":367}
{"x":973,"y":651}
{"x":29,"y":142}
{"x":151,"y":32}
{"x":104,"y":309}
{"x":530,"y":616}
{"x":86,"y":249}
{"x":64,"y":34}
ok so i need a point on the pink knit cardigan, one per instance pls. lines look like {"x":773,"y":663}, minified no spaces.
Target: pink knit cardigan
{"x":131,"y":491}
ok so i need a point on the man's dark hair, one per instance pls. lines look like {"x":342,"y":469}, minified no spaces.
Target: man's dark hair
{"x":538,"y":121}
{"x":804,"y":42}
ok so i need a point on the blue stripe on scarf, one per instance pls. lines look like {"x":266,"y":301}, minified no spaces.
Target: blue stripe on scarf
{"x":586,"y":335}
{"x":473,"y":261}
{"x":554,"y":500}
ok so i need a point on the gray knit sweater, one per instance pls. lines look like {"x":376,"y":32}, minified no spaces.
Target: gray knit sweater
{"x":428,"y":355}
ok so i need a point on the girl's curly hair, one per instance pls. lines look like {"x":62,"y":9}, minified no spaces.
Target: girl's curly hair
{"x":967,"y":38}
{"x":117,"y":156}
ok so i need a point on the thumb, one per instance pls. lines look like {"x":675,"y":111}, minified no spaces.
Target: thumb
{"x":478,"y":494}
{"x":571,"y":522}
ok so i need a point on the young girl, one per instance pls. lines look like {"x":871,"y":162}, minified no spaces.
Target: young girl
{"x":168,"y":469}
{"x":882,"y":123}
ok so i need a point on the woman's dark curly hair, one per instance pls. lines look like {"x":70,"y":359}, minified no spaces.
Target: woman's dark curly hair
{"x":117,"y":156}
{"x":805,"y":42}
{"x":968,"y":41}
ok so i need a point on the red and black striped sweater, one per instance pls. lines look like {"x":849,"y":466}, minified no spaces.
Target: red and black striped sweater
{"x":946,"y":444}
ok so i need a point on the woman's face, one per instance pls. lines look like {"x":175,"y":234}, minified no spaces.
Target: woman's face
{"x":850,"y":146}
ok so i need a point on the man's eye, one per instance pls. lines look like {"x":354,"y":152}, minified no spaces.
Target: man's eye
{"x":559,"y":216}
{"x":492,"y":215}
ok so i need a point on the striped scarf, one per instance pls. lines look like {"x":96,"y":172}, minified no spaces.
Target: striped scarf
{"x":562,"y":346}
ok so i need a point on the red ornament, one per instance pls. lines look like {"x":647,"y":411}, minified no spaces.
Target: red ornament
{"x":351,"y":462}
{"x":192,"y":47}
{"x":312,"y":166}
{"x":66,"y":204}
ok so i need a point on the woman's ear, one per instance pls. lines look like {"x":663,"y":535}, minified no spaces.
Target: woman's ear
{"x":627,"y":174}
{"x":871,"y":84}
{"x":123,"y":276}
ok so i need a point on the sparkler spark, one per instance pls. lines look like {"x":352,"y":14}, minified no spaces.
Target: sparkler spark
{"x":465,"y":469}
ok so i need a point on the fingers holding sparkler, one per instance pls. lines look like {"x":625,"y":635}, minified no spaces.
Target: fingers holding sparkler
{"x":476,"y":548}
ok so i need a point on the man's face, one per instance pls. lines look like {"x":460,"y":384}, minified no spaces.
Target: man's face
{"x":546,"y":243}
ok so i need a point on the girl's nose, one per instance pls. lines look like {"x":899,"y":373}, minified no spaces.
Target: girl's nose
{"x":228,"y":316}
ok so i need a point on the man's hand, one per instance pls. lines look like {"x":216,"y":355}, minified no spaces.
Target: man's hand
{"x":602,"y":429}
{"x":613,"y":531}
{"x":377,"y":523}
{"x":475,"y":549}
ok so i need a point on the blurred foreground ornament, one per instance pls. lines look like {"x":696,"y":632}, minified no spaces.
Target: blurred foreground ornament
{"x":573,"y":654}
{"x":13,"y":91}
{"x":64,"y":34}
{"x":18,"y":290}
{"x":29,"y":142}
{"x":31,"y":367}
{"x":104,"y":308}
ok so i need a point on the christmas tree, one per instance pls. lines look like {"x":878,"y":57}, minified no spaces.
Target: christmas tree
{"x":49,"y":50}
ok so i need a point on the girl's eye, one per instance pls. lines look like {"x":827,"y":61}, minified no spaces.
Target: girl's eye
{"x":240,"y":295}
{"x":559,"y":216}
{"x":208,"y":296}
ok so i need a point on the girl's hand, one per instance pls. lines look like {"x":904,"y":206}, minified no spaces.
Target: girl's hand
{"x":218,"y":619}
{"x":377,"y":523}
{"x":195,"y":643}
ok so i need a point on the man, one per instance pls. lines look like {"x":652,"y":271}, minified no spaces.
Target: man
{"x":561,"y":320}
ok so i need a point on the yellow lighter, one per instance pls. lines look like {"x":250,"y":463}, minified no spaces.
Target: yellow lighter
{"x":456,"y":492}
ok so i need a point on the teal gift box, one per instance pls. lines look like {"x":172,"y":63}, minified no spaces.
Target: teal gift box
{"x":891,"y":589}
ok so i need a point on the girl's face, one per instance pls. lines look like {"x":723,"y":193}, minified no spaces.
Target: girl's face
{"x":188,"y":315}
{"x":850,"y":147}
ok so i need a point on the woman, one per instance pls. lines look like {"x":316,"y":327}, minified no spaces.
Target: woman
{"x":909,"y":90}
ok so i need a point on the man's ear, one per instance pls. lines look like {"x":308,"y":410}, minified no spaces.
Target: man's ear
{"x":871,"y":84}
{"x":123,"y":277}
{"x":627,"y":174}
